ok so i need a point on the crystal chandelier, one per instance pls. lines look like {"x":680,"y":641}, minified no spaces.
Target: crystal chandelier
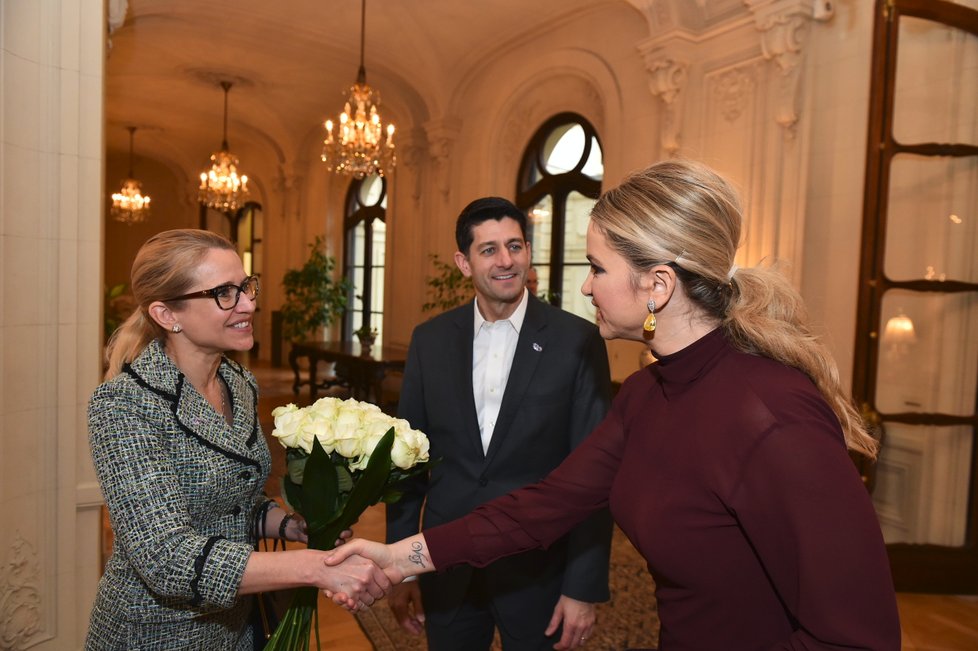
{"x":359,"y":147}
{"x":221,"y":188}
{"x":130,"y":205}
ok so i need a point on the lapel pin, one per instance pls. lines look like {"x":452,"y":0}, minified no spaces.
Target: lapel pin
{"x":537,"y":347}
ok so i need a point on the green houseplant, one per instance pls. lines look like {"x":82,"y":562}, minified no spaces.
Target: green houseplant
{"x":447,"y":287}
{"x":313,"y":299}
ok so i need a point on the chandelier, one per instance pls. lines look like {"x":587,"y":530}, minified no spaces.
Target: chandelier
{"x":221,"y":188}
{"x":130,"y":205}
{"x":359,"y":147}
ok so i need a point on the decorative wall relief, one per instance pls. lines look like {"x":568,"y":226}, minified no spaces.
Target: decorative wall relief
{"x":667,"y":82}
{"x":784,"y":27}
{"x":411,"y":155}
{"x":442,"y":135}
{"x":519,"y":127}
{"x":731,"y":91}
{"x":115,"y":11}
{"x":20,"y":598}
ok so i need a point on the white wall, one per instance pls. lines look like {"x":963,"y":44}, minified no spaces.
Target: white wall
{"x":50,"y":292}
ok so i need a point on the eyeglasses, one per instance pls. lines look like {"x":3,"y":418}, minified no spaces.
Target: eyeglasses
{"x":227,"y":295}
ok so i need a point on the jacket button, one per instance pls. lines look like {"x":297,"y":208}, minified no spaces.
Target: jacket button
{"x":483,"y":481}
{"x":236,"y":510}
{"x":245,"y":474}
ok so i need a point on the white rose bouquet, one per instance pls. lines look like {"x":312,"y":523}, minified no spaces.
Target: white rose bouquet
{"x":342,"y":456}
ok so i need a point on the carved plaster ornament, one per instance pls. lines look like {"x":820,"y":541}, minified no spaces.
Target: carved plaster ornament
{"x":442,"y":135}
{"x":732,"y":90}
{"x":412,"y":156}
{"x":20,"y":597}
{"x":668,"y":80}
{"x":116,"y":12}
{"x":784,"y":27}
{"x":516,"y":132}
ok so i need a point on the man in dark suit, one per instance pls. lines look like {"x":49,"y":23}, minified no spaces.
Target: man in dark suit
{"x":505,"y":388}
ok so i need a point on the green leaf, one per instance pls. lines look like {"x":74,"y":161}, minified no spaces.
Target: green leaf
{"x":344,"y":479}
{"x":319,"y":489}
{"x":292,"y":492}
{"x":296,"y":467}
{"x":367,"y":491}
{"x":371,"y":483}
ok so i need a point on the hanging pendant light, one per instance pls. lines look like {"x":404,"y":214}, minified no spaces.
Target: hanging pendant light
{"x":359,"y":147}
{"x":221,"y":187}
{"x":130,"y":205}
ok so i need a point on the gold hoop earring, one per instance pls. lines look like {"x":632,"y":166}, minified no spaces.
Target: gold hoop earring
{"x":649,"y":325}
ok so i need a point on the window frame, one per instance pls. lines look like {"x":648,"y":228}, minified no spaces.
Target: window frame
{"x":558,"y":187}
{"x":355,"y":212}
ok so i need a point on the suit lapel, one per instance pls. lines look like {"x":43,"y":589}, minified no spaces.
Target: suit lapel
{"x":529,"y":350}
{"x":461,"y":350}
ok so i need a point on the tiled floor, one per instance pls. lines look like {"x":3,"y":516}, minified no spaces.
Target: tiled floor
{"x":929,"y":622}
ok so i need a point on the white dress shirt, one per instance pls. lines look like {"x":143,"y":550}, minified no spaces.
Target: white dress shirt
{"x":493,"y":349}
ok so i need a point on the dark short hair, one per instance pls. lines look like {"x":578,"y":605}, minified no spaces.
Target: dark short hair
{"x":482,"y":210}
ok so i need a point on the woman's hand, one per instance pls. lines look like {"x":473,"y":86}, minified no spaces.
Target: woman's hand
{"x":353,"y":582}
{"x":296,"y":529}
{"x":345,"y":535}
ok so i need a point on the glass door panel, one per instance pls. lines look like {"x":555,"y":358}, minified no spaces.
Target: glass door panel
{"x":932,"y":222}
{"x":928,"y":353}
{"x":936,"y":83}
{"x":923,"y":481}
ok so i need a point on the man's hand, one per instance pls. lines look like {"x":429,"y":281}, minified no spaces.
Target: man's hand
{"x":405,"y":602}
{"x":578,"y":620}
{"x":398,"y":560}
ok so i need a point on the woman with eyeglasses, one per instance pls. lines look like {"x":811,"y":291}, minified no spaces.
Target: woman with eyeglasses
{"x":182,"y":463}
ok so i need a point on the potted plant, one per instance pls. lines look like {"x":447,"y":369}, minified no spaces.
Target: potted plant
{"x":313,"y":299}
{"x":367,"y":336}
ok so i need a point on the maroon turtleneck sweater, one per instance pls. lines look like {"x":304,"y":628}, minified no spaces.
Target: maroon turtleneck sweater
{"x":729,"y":473}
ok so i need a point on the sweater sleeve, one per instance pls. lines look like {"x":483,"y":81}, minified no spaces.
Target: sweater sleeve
{"x":149,"y":511}
{"x":536,"y":516}
{"x":805,"y":511}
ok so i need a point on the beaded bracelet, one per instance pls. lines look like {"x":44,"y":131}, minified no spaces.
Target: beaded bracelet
{"x":283,"y":524}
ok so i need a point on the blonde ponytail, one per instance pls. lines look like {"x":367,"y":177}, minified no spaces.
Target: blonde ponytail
{"x":684,"y":214}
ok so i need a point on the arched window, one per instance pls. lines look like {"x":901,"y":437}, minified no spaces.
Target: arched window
{"x":559,"y":181}
{"x":363,"y":259}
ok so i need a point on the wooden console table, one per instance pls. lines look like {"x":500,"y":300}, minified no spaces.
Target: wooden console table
{"x":361,"y":370}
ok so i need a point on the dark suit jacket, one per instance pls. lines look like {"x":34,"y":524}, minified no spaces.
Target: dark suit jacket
{"x":558,"y":390}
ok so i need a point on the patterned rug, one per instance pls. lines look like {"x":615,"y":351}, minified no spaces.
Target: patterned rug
{"x":628,"y":621}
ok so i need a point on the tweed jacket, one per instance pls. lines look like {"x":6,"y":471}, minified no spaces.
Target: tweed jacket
{"x":183,"y":489}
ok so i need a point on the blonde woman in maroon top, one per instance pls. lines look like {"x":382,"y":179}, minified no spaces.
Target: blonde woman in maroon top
{"x":726,"y":462}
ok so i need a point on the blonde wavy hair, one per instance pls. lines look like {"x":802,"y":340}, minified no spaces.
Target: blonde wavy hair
{"x":683,"y":214}
{"x":166,"y":265}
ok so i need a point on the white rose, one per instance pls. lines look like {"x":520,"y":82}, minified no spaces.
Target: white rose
{"x":288,"y":426}
{"x":347,"y":434}
{"x":410,"y":446}
{"x":372,"y":431}
{"x":318,"y":426}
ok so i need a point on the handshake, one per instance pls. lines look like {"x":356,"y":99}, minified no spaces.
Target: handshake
{"x":359,"y":572}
